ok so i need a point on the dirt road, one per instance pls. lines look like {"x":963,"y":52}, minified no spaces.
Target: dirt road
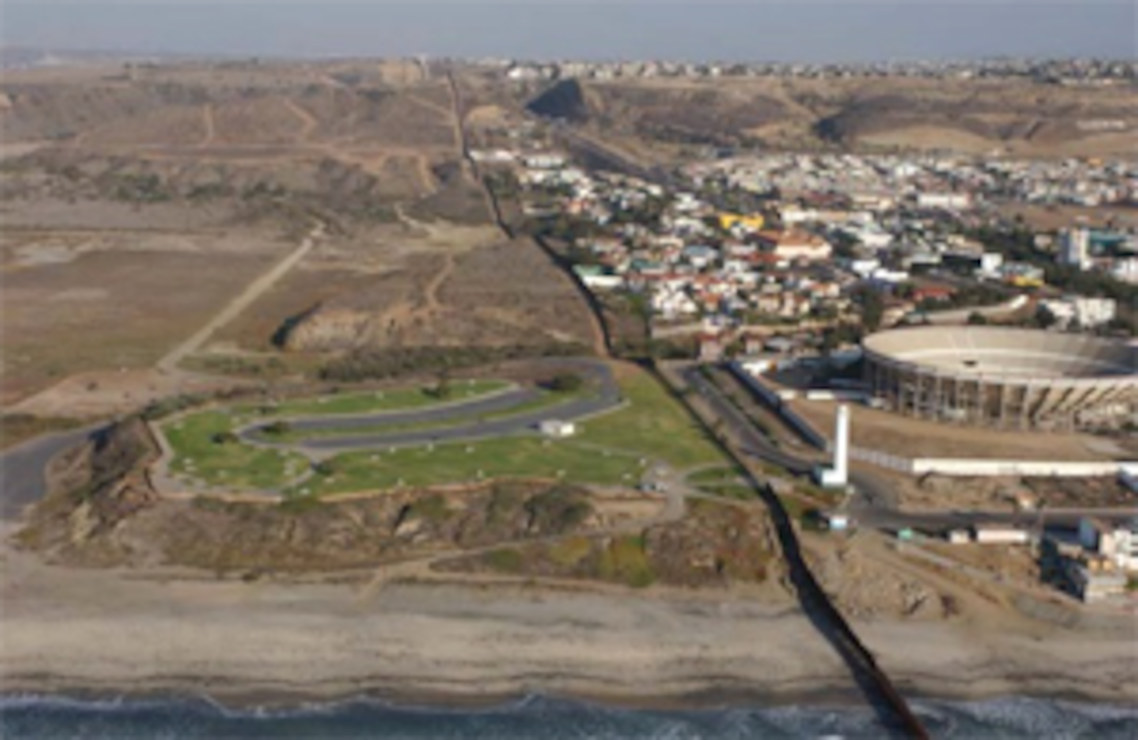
{"x":252,"y":292}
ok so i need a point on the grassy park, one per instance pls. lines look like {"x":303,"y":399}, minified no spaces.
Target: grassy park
{"x":614,"y":448}
{"x":206,"y":452}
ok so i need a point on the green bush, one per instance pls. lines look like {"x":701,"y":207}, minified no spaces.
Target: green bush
{"x":506,"y":560}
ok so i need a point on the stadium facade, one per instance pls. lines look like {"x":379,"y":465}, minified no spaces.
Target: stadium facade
{"x":1003,"y":377}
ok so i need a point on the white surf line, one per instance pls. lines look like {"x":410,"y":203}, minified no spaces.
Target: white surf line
{"x":251,"y":293}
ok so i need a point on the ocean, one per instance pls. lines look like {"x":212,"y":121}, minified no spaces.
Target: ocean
{"x":44,"y":717}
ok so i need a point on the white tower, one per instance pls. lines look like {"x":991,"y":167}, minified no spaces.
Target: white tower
{"x":842,"y":445}
{"x":837,"y":476}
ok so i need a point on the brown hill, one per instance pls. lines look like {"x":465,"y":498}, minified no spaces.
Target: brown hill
{"x":977,"y":116}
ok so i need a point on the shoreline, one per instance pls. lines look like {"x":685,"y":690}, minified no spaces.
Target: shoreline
{"x":283,"y":704}
{"x":703,"y":695}
{"x":248,"y":696}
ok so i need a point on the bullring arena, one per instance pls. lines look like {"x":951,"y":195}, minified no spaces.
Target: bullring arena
{"x":1003,"y":377}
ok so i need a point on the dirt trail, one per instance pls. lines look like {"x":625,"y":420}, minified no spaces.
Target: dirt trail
{"x":309,"y":124}
{"x":208,"y":124}
{"x":248,"y":296}
{"x":431,"y":290}
{"x":431,"y":105}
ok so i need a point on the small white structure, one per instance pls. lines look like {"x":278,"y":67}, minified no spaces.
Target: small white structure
{"x":837,"y":476}
{"x":557,"y":428}
{"x":1000,"y":534}
{"x":837,"y":521}
{"x":959,"y":537}
{"x":949,"y":201}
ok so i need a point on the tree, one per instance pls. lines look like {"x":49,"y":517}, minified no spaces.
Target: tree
{"x":442,"y":387}
{"x":977,"y":319}
{"x":872,"y":309}
{"x":278,"y":428}
{"x":566,"y":383}
{"x":224,"y":438}
{"x":1044,"y":317}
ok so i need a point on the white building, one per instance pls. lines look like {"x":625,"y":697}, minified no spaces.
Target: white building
{"x":1000,"y":534}
{"x":1075,"y":248}
{"x":1126,"y":270}
{"x":1084,"y":312}
{"x":991,"y":262}
{"x":1117,"y":543}
{"x":949,"y":201}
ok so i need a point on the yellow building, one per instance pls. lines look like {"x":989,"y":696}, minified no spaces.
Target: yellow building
{"x":753,"y":222}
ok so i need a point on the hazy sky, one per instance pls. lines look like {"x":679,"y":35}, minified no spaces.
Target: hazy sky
{"x":779,"y":30}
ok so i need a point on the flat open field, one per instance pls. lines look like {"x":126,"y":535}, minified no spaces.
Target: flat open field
{"x":81,"y":301}
{"x":898,"y":435}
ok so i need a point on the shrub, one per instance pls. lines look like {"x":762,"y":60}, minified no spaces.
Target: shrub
{"x":566,"y":383}
{"x":507,"y":560}
{"x":278,"y":428}
{"x":225,"y":438}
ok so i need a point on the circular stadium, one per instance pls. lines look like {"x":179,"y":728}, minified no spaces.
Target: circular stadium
{"x":1003,"y":377}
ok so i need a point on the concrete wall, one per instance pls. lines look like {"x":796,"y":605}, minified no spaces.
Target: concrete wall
{"x":979,"y":467}
{"x":772,"y":399}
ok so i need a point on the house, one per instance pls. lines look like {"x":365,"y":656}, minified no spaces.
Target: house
{"x":752,"y":222}
{"x":711,"y":347}
{"x":933,"y":292}
{"x":795,"y":244}
{"x":1094,"y":579}
{"x":1117,"y":543}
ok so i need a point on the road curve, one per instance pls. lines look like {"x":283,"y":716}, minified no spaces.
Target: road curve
{"x":23,"y":469}
{"x":596,"y":372}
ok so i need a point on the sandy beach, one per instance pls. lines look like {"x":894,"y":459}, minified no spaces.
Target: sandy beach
{"x":68,"y":630}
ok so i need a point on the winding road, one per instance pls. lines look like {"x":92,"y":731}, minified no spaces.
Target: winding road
{"x":605,"y":396}
{"x":23,"y":469}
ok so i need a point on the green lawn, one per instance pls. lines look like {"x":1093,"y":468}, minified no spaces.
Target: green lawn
{"x":520,"y":457}
{"x":654,"y":424}
{"x":226,"y":464}
{"x":396,"y":399}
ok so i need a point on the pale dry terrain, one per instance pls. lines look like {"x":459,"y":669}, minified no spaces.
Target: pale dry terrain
{"x":907,"y":437}
{"x":78,"y":301}
{"x":1009,"y":117}
{"x":143,"y":200}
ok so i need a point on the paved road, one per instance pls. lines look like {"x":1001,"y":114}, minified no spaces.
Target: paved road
{"x":597,"y":373}
{"x":474,"y":407}
{"x":22,"y":469}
